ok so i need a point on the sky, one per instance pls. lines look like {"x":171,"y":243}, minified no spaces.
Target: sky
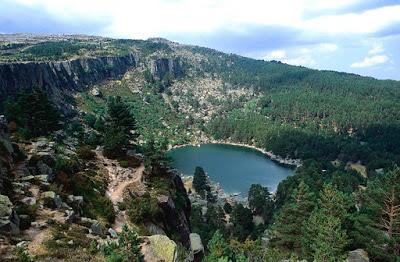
{"x":357,"y":36}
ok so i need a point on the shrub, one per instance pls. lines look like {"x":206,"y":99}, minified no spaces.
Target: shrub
{"x":22,"y":255}
{"x":86,"y":153}
{"x":33,"y":113}
{"x":90,"y":120}
{"x":142,"y":209}
{"x":127,"y":247}
{"x":65,"y":165}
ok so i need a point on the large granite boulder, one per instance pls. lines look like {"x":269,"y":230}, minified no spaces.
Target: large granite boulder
{"x":358,"y":255}
{"x":9,"y":221}
{"x":159,"y":248}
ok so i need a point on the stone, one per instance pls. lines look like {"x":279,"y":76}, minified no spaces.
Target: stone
{"x":76,"y":202}
{"x":358,"y":255}
{"x":87,"y":222}
{"x":30,"y":201}
{"x":96,"y":92}
{"x":112,"y":233}
{"x":163,"y":248}
{"x":42,"y":143}
{"x":43,"y":178}
{"x":196,"y":247}
{"x":27,"y":178}
{"x":71,"y":216}
{"x":23,"y":244}
{"x":44,"y":168}
{"x":51,"y":199}
{"x":97,"y":229}
{"x":9,"y":221}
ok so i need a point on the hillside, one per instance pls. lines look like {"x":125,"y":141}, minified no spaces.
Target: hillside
{"x":344,"y":128}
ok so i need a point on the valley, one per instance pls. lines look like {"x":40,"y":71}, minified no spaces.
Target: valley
{"x":89,"y":125}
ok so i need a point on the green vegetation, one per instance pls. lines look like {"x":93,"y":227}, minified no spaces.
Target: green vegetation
{"x":32,"y":114}
{"x":119,"y":129}
{"x":200,"y":182}
{"x":125,"y":249}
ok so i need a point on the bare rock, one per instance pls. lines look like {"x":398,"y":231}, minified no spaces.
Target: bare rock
{"x":358,"y":255}
{"x":9,"y":221}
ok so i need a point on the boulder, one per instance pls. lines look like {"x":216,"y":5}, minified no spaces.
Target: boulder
{"x":196,"y":247}
{"x":51,"y":199}
{"x":87,"y":222}
{"x":9,"y":221}
{"x":358,"y":255}
{"x":44,"y":169}
{"x":162,"y":248}
{"x":97,"y":229}
{"x":76,"y":202}
{"x":96,"y":92}
{"x":43,"y":178}
{"x":30,"y":201}
{"x":70,"y":216}
{"x":112,"y":233}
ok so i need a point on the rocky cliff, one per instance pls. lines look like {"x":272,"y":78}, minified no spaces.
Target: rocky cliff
{"x":59,"y":77}
{"x":166,"y":66}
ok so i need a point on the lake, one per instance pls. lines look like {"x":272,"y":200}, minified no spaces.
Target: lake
{"x":235,"y":168}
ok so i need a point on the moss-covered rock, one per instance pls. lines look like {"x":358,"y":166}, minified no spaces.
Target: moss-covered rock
{"x":163,"y":248}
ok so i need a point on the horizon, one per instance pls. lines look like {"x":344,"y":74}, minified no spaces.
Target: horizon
{"x":352,"y":36}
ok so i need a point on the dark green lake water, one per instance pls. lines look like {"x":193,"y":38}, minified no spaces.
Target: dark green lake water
{"x":235,"y":168}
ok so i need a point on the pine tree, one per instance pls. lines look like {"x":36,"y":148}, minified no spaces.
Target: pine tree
{"x":286,"y":230}
{"x":120,"y":127}
{"x":259,"y":198}
{"x":200,"y":182}
{"x":378,"y":222}
{"x":324,"y":238}
{"x":242,"y":219}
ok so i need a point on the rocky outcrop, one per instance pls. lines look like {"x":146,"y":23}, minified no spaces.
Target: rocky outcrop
{"x":358,"y":255}
{"x":176,"y":219}
{"x":59,"y":77}
{"x":163,"y":66}
{"x":9,"y":221}
{"x":196,"y":247}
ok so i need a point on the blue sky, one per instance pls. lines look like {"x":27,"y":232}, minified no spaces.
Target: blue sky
{"x":357,"y":36}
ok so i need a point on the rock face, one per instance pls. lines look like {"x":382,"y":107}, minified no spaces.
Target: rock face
{"x":9,"y":221}
{"x":358,"y":255}
{"x":162,"y":66}
{"x":56,"y":78}
{"x":176,"y":219}
{"x":196,"y":247}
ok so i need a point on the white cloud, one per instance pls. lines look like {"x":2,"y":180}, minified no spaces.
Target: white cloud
{"x":371,"y":61}
{"x":376,"y":49}
{"x":142,"y":19}
{"x":327,"y":47}
{"x":275,"y":55}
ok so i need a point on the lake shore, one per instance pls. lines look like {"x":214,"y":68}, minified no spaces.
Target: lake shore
{"x":280,"y":160}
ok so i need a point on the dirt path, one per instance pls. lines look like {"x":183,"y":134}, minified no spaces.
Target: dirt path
{"x":116,"y":193}
{"x":120,"y":178}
